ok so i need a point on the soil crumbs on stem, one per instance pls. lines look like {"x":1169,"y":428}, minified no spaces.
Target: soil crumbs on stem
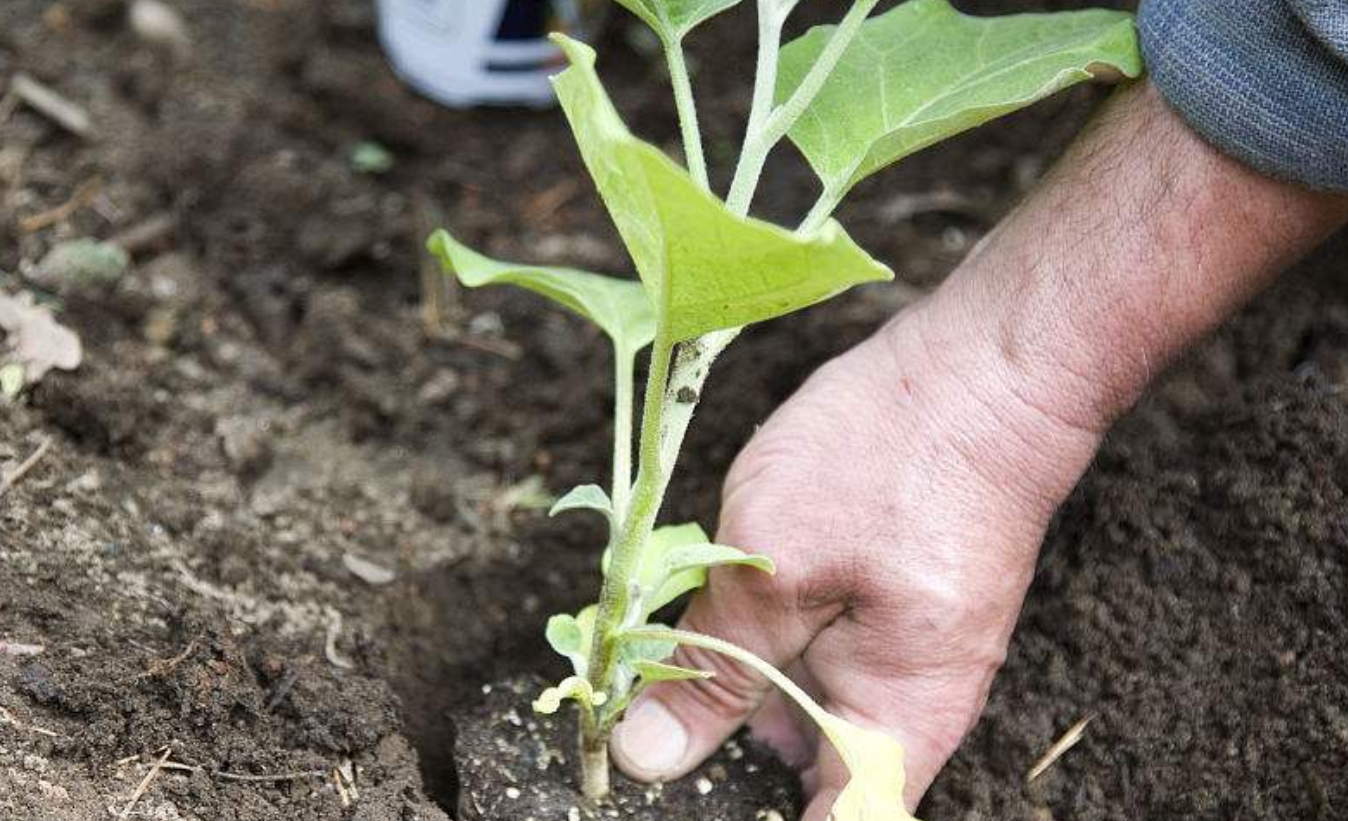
{"x":286,"y":527}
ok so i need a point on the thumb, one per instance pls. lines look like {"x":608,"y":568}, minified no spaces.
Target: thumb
{"x":675,"y":726}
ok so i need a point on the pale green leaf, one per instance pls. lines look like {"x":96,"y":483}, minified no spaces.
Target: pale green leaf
{"x":585,"y":497}
{"x":574,"y":688}
{"x":684,"y":568}
{"x":705,"y":267}
{"x":571,"y":636}
{"x":653,"y":671}
{"x":875,"y":762}
{"x":658,"y":586}
{"x":632,"y":652}
{"x":924,"y":72}
{"x":712,"y":555}
{"x":673,"y":19}
{"x":618,"y":306}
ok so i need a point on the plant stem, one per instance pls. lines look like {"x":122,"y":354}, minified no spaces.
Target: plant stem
{"x":624,"y":362}
{"x":687,"y":108}
{"x":725,"y":648}
{"x":593,"y":749}
{"x":759,"y":143}
{"x":823,"y":209}
{"x":771,"y":19}
{"x":635,"y":527}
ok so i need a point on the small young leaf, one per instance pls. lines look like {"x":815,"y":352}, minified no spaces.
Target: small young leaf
{"x":923,"y":72}
{"x":704,"y":267}
{"x":585,"y":497}
{"x":571,"y":636}
{"x":711,"y":555}
{"x":685,"y":569}
{"x":653,"y":671}
{"x":632,"y":652}
{"x":618,"y":306}
{"x":574,"y":688}
{"x":673,"y":19}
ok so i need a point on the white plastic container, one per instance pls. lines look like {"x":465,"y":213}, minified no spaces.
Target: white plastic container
{"x":463,"y":53}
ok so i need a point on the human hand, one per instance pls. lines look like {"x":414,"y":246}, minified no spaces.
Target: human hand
{"x":903,"y":494}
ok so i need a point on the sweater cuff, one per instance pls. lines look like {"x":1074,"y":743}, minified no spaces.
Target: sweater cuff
{"x":1255,"y":80}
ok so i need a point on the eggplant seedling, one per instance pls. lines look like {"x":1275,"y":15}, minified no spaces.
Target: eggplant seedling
{"x":854,"y":98}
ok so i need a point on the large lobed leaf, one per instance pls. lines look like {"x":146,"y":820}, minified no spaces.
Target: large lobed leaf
{"x":925,"y":72}
{"x":618,"y":306}
{"x":707,"y":268}
{"x":673,"y":19}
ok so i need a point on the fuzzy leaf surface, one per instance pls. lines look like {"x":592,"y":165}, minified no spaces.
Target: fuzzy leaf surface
{"x":585,"y":497}
{"x":618,"y":306}
{"x":571,"y":635}
{"x":653,"y":671}
{"x":673,"y":19}
{"x":704,"y":267}
{"x":924,"y":72}
{"x":685,"y":569}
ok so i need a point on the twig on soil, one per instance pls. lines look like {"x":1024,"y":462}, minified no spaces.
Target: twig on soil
{"x":27,"y":465}
{"x":163,"y":668}
{"x":246,"y":778}
{"x":7,"y":717}
{"x":499,"y":347}
{"x":348,"y":771}
{"x":10,"y":648}
{"x":267,"y":779}
{"x":1062,"y":745}
{"x":70,"y":116}
{"x":147,"y":233}
{"x":341,"y":788}
{"x":147,"y":781}
{"x":83,"y":196}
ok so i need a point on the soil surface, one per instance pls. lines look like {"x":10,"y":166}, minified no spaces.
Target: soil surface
{"x":289,"y":518}
{"x":514,"y":765}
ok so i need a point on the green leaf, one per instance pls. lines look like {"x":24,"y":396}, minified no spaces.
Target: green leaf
{"x":571,"y":636}
{"x":619,"y":306}
{"x":704,"y":267}
{"x":658,"y":586}
{"x":574,"y":688}
{"x":673,"y":19}
{"x":683,"y":568}
{"x":585,"y":497}
{"x":712,"y":555}
{"x":653,"y":671}
{"x":924,"y":72}
{"x":632,"y":652}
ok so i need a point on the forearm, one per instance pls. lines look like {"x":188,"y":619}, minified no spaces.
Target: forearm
{"x":1141,"y":240}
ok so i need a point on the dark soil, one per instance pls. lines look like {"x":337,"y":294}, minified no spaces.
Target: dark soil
{"x":262,"y":408}
{"x":514,"y":765}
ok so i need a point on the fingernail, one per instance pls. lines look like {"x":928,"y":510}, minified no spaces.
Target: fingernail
{"x":650,"y":740}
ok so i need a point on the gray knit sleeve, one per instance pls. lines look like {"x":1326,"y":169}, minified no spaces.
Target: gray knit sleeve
{"x":1266,"y":81}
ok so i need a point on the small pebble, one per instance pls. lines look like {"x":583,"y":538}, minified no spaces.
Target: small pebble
{"x":573,"y":814}
{"x":704,"y":786}
{"x":512,"y":793}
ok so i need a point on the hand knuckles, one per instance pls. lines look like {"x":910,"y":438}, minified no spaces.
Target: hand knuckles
{"x":731,"y":693}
